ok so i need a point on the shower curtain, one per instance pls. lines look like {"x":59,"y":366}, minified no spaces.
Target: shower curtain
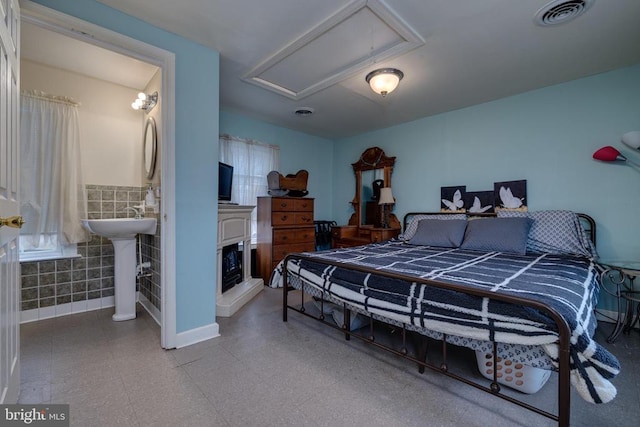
{"x":52,"y":192}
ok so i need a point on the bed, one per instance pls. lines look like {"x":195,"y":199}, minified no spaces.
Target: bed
{"x":519,"y":285}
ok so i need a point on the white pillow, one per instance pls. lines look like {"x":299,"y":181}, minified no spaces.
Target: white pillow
{"x":555,"y":232}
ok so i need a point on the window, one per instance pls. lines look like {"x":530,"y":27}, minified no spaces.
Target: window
{"x":47,"y":248}
{"x":52,"y":194}
{"x":251,"y":161}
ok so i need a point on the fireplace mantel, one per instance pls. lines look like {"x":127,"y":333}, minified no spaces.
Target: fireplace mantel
{"x":234,"y":226}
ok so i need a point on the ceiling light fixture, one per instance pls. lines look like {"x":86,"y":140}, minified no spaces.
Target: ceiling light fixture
{"x":384,"y":80}
{"x":145,"y":102}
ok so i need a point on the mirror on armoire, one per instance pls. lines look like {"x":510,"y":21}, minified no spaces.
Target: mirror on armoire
{"x":373,"y":173}
{"x":372,"y":182}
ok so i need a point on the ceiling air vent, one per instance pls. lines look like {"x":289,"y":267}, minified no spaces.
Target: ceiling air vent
{"x":303,"y":111}
{"x":560,"y":11}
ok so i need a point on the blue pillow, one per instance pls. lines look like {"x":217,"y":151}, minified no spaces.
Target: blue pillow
{"x":497,"y":234}
{"x":438,"y":232}
{"x":415,"y":219}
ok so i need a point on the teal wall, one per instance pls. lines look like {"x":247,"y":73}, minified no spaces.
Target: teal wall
{"x":197,"y":76}
{"x":546,"y":136}
{"x":297,"y":151}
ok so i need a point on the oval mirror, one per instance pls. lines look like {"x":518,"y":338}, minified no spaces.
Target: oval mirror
{"x":150,"y":147}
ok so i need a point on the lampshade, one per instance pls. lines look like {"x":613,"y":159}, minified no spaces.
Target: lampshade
{"x":386,"y":196}
{"x":384,"y":80}
{"x":632,"y":139}
{"x":610,"y":154}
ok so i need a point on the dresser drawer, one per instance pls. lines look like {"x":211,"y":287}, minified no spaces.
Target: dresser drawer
{"x":281,"y":251}
{"x":296,"y":235}
{"x":280,"y":204}
{"x":340,"y":232}
{"x":291,"y":218}
{"x":303,"y":205}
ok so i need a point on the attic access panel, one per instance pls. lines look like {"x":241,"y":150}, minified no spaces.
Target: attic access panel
{"x":361,"y":33}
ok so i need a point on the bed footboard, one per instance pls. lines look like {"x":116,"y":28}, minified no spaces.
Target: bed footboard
{"x":562,"y":417}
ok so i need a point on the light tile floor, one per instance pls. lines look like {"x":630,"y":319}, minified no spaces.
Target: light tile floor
{"x":264,"y":372}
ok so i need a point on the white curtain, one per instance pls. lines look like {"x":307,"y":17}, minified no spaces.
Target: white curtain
{"x":53,"y":194}
{"x":251,"y":161}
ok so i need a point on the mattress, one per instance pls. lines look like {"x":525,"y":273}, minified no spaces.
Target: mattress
{"x":568,"y":284}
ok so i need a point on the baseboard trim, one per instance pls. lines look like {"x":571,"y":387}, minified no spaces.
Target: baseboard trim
{"x":150,"y":308}
{"x":197,"y":335}
{"x":27,"y":316}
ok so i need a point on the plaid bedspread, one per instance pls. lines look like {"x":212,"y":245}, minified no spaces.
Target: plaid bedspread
{"x":568,"y":284}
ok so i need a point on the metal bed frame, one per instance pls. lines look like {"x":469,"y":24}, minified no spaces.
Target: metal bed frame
{"x":494,"y":388}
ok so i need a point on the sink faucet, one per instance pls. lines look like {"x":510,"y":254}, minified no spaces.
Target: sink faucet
{"x":138,"y":211}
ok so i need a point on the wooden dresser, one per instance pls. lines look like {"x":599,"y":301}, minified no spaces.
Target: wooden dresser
{"x":285,"y":225}
{"x":345,"y":236}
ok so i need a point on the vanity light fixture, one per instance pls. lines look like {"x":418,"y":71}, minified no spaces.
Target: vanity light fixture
{"x":384,"y":80}
{"x":145,"y":102}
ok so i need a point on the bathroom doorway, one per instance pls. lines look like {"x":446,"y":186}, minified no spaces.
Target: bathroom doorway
{"x":114,"y":65}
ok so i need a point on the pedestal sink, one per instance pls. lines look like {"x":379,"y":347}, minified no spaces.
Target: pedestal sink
{"x":122,"y":233}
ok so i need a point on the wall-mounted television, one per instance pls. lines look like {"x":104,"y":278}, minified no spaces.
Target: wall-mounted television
{"x":225,"y":179}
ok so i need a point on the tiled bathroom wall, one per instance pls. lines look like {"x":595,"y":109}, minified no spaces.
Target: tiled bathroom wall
{"x":65,"y":286}
{"x":149,"y":282}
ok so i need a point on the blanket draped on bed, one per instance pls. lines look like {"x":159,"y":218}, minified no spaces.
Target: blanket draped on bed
{"x":569,"y":284}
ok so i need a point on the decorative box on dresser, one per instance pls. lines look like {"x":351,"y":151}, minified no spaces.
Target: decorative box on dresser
{"x":285,"y":225}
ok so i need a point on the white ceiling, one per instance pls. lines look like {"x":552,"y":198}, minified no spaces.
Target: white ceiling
{"x":279,"y":55}
{"x":66,"y":53}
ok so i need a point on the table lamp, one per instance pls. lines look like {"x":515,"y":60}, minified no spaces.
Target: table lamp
{"x":386,"y":200}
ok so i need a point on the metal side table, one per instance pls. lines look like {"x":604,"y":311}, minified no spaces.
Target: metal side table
{"x":622,"y":275}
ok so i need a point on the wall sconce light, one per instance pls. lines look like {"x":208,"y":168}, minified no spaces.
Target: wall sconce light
{"x":386,"y":200}
{"x":145,"y":102}
{"x":384,"y":80}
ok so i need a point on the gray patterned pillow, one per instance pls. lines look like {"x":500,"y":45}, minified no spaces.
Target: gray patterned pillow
{"x":413,"y":223}
{"x":497,"y":234}
{"x":441,"y":233}
{"x":555,"y":232}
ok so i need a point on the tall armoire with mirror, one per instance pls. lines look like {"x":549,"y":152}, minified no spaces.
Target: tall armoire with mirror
{"x":366,"y":225}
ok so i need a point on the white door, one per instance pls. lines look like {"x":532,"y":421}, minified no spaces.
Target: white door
{"x":9,"y":206}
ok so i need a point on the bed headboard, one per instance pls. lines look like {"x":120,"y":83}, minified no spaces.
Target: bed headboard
{"x":589,"y":226}
{"x":587,"y":222}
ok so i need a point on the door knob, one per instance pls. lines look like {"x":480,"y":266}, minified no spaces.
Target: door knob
{"x":12,"y":221}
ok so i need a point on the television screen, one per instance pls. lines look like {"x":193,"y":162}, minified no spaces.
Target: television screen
{"x":225,"y":179}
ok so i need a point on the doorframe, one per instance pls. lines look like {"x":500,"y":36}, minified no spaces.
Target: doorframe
{"x":94,"y":34}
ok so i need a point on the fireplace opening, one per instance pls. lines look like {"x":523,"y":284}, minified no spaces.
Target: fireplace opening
{"x":231,"y":267}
